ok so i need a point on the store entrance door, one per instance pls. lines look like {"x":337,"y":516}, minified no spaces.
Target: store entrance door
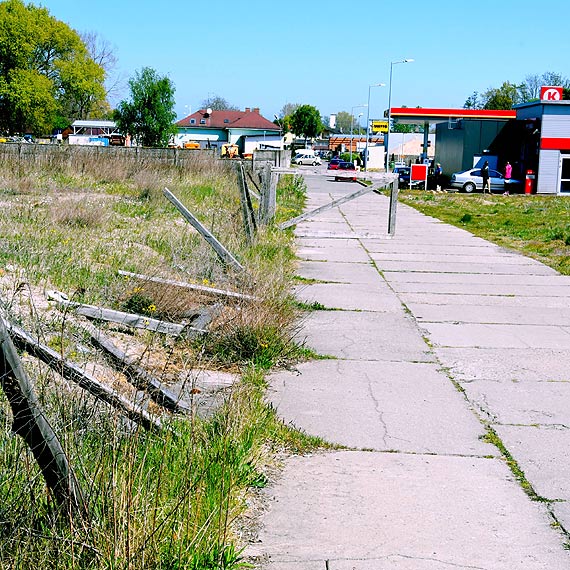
{"x":564,"y":174}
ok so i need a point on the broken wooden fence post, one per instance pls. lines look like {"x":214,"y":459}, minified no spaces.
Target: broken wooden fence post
{"x":224,"y":255}
{"x":246,"y":206}
{"x":30,"y":423}
{"x":268,"y":202}
{"x":393,"y":207}
{"x":74,"y":373}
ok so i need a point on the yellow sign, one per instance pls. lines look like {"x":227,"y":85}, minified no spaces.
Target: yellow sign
{"x":379,"y":126}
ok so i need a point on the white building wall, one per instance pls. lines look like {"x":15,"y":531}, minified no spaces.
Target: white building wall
{"x":548,"y":171}
{"x":555,"y":126}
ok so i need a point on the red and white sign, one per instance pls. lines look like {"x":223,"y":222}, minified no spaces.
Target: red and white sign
{"x":419,"y":172}
{"x":548,"y":93}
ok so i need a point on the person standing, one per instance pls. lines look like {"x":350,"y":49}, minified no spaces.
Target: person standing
{"x":438,"y":173}
{"x":508,"y":175}
{"x":485,"y":176}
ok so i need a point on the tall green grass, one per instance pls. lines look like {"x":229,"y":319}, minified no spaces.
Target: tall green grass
{"x":167,"y":500}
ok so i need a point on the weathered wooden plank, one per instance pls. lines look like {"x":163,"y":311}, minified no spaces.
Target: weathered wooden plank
{"x":139,"y":377}
{"x":329,"y":206}
{"x":268,"y":204}
{"x":30,"y":423}
{"x":256,"y":195}
{"x":191,"y":286}
{"x":71,"y":371}
{"x":225,"y":256}
{"x":122,"y":318}
{"x":248,"y":214}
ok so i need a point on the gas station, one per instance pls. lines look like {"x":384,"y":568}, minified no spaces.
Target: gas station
{"x":534,"y":137}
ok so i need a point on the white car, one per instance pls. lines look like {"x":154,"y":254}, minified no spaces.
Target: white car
{"x":471,"y":180}
{"x":307,"y":159}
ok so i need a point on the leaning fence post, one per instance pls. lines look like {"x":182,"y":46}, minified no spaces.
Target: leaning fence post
{"x":268,"y":202}
{"x":30,"y":423}
{"x":246,"y":205}
{"x":393,"y":207}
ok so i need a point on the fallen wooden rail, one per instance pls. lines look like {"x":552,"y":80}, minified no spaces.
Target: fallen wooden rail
{"x":138,"y":376}
{"x":330,"y":205}
{"x":72,"y":372}
{"x":122,"y":318}
{"x":191,"y":286}
{"x":225,"y":256}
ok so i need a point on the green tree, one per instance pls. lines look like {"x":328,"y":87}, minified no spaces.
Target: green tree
{"x":504,"y":97}
{"x":306,"y":121}
{"x":345,"y":120}
{"x":217,"y":103}
{"x":149,"y":115}
{"x":47,"y":77}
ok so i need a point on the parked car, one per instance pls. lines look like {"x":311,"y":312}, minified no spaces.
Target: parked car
{"x":345,"y":171}
{"x":307,"y":159}
{"x":471,"y":180}
{"x":333,"y":164}
{"x":404,"y":173}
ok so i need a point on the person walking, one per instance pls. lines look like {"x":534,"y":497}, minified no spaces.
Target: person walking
{"x":508,"y":175}
{"x":485,"y":176}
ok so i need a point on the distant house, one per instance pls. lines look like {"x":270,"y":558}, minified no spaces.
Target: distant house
{"x":246,"y":129}
{"x":94,"y":132}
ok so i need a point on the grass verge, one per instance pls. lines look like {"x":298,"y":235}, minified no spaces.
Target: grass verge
{"x":167,"y":500}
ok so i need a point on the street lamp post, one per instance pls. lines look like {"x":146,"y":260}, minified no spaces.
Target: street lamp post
{"x":392,"y":64}
{"x":352,"y":124}
{"x":368,"y":123}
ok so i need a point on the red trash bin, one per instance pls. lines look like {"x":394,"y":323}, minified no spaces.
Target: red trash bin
{"x":529,"y":183}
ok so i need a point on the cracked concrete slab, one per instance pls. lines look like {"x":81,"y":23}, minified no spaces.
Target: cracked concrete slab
{"x":474,"y":313}
{"x":453,"y":511}
{"x":486,"y":300}
{"x":497,"y":336}
{"x":476,"y":278}
{"x":443,"y":268}
{"x":562,"y":512}
{"x":536,"y":450}
{"x":358,"y":404}
{"x":363,"y":297}
{"x":335,"y":272}
{"x":436,"y":257}
{"x":482,"y":289}
{"x":344,"y":255}
{"x":506,"y":365}
{"x":525,"y":403}
{"x":365,"y":336}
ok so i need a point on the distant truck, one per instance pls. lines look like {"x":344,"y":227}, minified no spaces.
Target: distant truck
{"x":229,"y":151}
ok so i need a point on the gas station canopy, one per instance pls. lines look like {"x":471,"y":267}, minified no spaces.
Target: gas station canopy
{"x":421,"y":116}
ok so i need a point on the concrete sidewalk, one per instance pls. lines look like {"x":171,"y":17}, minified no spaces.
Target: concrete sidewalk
{"x":435,"y":334}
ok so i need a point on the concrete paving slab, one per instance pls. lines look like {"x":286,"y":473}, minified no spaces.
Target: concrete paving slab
{"x":365,"y":336}
{"x":537,"y":451}
{"x":397,"y":246}
{"x":474,"y":313}
{"x":506,"y":365}
{"x":404,"y":268}
{"x":482,"y":289}
{"x":343,"y":255}
{"x":358,"y":404}
{"x":364,"y":297}
{"x":524,"y":403}
{"x":335,"y":272}
{"x":497,"y":336}
{"x":437,"y":257}
{"x":449,"y":511}
{"x":485,"y":300}
{"x":535,"y":280}
{"x":562,"y":513}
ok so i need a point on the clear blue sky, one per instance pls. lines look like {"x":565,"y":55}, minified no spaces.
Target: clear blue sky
{"x":265,"y":53}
